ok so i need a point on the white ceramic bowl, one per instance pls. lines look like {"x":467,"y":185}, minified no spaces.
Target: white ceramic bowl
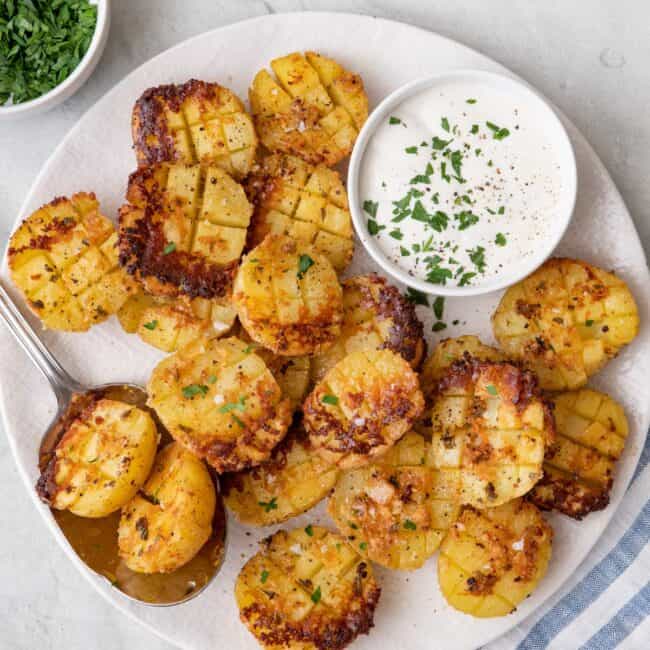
{"x":551,"y":126}
{"x":79,"y":75}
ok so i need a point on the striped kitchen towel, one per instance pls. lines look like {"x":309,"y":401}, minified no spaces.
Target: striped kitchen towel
{"x":607,"y":602}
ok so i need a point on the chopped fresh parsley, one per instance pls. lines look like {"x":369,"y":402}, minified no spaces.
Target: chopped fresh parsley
{"x":589,"y":322}
{"x":239,"y":405}
{"x":238,"y":421}
{"x":370,"y":207}
{"x":465,"y":219}
{"x":404,"y":252}
{"x":411,"y":149}
{"x":477,"y":255}
{"x":465,"y":279}
{"x":500,"y":239}
{"x":191,"y":391}
{"x":416,"y":297}
{"x":304,"y":264}
{"x":170,"y":248}
{"x":410,"y":525}
{"x":212,"y":379}
{"x":444,"y":123}
{"x":498,"y":132}
{"x":151,"y":325}
{"x":374,"y":227}
{"x":474,"y":130}
{"x":363,"y":546}
{"x":394,"y":120}
{"x":315,"y":597}
{"x":264,"y":576}
{"x":491,"y":389}
{"x":396,"y":234}
{"x":501,"y":210}
{"x":438,"y":144}
{"x":470,"y":101}
{"x":439,"y":306}
{"x":249,"y":348}
{"x":439,"y":326}
{"x":269,"y":505}
{"x":333,"y":400}
{"x":309,"y":530}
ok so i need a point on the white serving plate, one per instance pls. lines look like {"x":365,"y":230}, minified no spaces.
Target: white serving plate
{"x":96,"y":155}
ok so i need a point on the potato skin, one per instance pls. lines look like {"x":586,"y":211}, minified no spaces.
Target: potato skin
{"x":166,"y":524}
{"x":103,"y":457}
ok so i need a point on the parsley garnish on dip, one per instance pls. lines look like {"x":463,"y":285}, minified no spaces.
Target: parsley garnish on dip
{"x":466,"y":189}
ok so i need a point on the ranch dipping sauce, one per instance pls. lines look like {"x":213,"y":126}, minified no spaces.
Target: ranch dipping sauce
{"x":462,"y":181}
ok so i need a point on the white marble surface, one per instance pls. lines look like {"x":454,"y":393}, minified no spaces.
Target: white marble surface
{"x":589,"y":57}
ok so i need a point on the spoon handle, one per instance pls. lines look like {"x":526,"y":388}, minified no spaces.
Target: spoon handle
{"x":61,"y":382}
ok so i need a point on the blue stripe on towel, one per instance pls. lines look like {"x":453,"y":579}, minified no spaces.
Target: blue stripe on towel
{"x":643,"y":460}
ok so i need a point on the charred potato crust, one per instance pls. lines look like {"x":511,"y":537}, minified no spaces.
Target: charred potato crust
{"x":183,"y":229}
{"x":491,"y":560}
{"x":363,"y":405}
{"x":578,"y":476}
{"x":194,"y":122}
{"x":314,"y":108}
{"x":64,"y":260}
{"x":306,"y":589}
{"x":397,"y":510}
{"x":220,"y":401}
{"x":565,"y":321}
{"x":376,"y":316}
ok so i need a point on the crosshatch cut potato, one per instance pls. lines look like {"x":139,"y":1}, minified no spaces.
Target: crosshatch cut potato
{"x":397,"y":510}
{"x":565,"y":321}
{"x":103,"y":457}
{"x":288,"y":297}
{"x":171,"y":323}
{"x":166,"y":524}
{"x":307,"y":203}
{"x":591,"y":433}
{"x":489,"y":421}
{"x":362,"y":407}
{"x":375,"y":316}
{"x":313,"y":108}
{"x":64,"y":260}
{"x":491,"y":560}
{"x":219,"y":400}
{"x":291,"y":482}
{"x":306,"y":588}
{"x":183,"y":229}
{"x":194,"y":122}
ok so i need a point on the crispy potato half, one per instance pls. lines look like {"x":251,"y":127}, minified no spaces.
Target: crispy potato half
{"x":291,"y":482}
{"x":376,"y":316}
{"x":490,"y":422}
{"x":397,"y":510}
{"x":591,"y":433}
{"x":491,"y":560}
{"x":183,"y":229}
{"x":219,"y":400}
{"x":103,"y":457}
{"x":64,"y":260}
{"x":308,"y":203}
{"x":306,"y":589}
{"x":170,"y":323}
{"x":194,"y":122}
{"x":362,"y":407}
{"x":288,"y":297}
{"x":565,"y":321}
{"x":313,"y":108}
{"x":165,"y":525}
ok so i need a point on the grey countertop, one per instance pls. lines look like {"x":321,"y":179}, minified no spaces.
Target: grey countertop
{"x":590,"y":57}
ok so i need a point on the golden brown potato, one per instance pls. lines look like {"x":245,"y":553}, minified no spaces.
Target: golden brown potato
{"x":565,"y":321}
{"x":194,"y":122}
{"x":218,"y":399}
{"x":375,"y":316}
{"x":291,"y":482}
{"x":491,"y":560}
{"x":490,"y":422}
{"x":183,"y":229}
{"x":397,"y":510}
{"x":104,"y":455}
{"x":362,"y":407}
{"x":306,"y":589}
{"x":314,"y":108}
{"x":167,"y":523}
{"x":288,"y":297}
{"x":307,"y":203}
{"x":578,"y":476}
{"x":64,"y":260}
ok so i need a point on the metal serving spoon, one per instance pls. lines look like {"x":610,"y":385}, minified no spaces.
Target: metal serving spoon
{"x":95,"y":540}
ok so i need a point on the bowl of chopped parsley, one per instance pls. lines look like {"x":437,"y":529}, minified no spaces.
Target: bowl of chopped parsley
{"x":48,"y":49}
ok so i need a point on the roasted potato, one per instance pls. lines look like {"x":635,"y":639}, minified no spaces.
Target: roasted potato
{"x":194,"y":122}
{"x":288,"y":297}
{"x":171,"y":323}
{"x":375,"y":316}
{"x":64,"y":260}
{"x":291,"y":482}
{"x":183,"y":229}
{"x":491,"y":560}
{"x":489,"y":422}
{"x":166,"y":524}
{"x":578,"y":476}
{"x":362,"y":407}
{"x":313,"y":109}
{"x":565,"y":321}
{"x":219,"y":400}
{"x":306,"y":589}
{"x":103,"y":457}
{"x":397,"y":509}
{"x":307,"y":203}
